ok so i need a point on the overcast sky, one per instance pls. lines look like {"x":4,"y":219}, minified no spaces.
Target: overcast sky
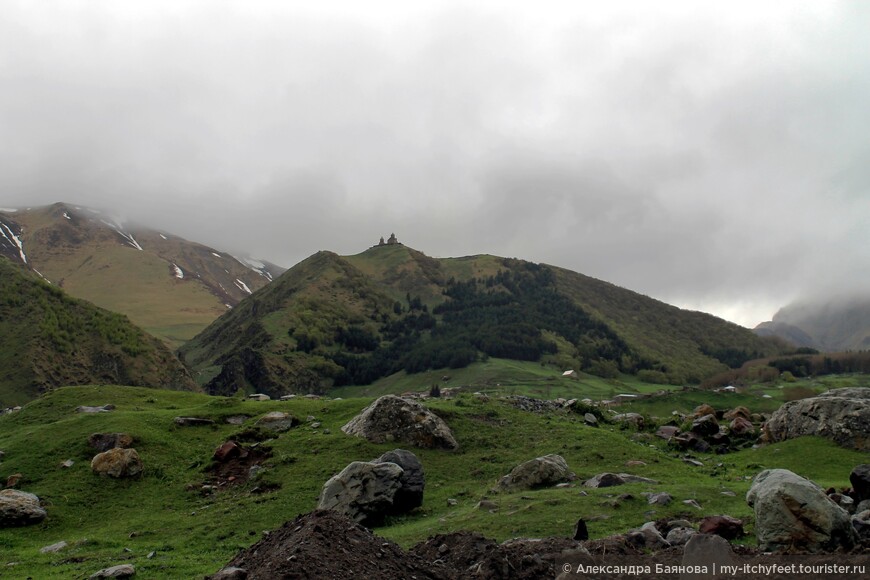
{"x":714,"y":155}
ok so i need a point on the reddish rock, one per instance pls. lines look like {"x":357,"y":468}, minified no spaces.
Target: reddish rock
{"x":737,"y":412}
{"x":13,"y":480}
{"x":703,"y":409}
{"x":741,"y":427}
{"x":725,"y":526}
{"x":227,"y":451}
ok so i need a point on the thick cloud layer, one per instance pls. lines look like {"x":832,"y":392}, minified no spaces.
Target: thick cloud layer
{"x":712,"y":155}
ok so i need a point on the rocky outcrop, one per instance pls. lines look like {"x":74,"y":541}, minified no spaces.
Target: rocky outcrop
{"x":19,"y":508}
{"x":117,"y":463}
{"x":412,"y":482}
{"x":277,"y":422}
{"x":842,"y":415}
{"x":363,"y":491}
{"x":613,"y":479}
{"x":391,"y":418}
{"x":539,"y":472}
{"x":794,"y":513}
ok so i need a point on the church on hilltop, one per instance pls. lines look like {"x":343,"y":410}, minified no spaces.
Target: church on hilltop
{"x":392,"y":241}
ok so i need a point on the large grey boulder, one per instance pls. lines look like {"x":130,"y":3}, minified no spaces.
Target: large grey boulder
{"x":794,"y":513}
{"x":539,"y":472}
{"x":363,"y":491}
{"x":842,"y":415}
{"x":19,"y":508}
{"x":412,"y":482}
{"x":391,"y":418}
{"x":861,"y":523}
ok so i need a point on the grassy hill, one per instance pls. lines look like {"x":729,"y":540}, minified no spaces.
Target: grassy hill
{"x":336,"y":320}
{"x":191,"y":533}
{"x":169,"y":286}
{"x":49,"y":339}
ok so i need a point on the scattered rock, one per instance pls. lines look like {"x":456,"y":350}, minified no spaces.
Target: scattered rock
{"x":705,"y":425}
{"x":105,"y":441}
{"x":117,"y":463}
{"x":740,"y":411}
{"x":612,"y":479}
{"x":226,"y":451}
{"x":363,"y":491}
{"x":860,"y":480}
{"x":277,"y":421}
{"x":679,"y":536}
{"x":741,"y":427}
{"x":19,"y":508}
{"x":590,"y":419}
{"x":647,"y":537}
{"x":101,"y":409}
{"x":581,"y":533}
{"x":486,"y":505}
{"x":236,"y":419}
{"x":725,"y":526}
{"x":122,"y":571}
{"x":13,"y":480}
{"x":259,"y":397}
{"x":707,"y":550}
{"x":794,"y":513}
{"x":693,"y":462}
{"x":392,"y":418}
{"x":635,"y":463}
{"x":667,"y":431}
{"x":53,"y":548}
{"x":193,"y":421}
{"x":539,"y":472}
{"x":702,"y":410}
{"x":412,"y":481}
{"x":861,"y":524}
{"x":67,"y":464}
{"x":633,"y":419}
{"x":842,"y":415}
{"x":452,"y":502}
{"x":661,"y":498}
{"x":231,"y":573}
{"x":693,"y":503}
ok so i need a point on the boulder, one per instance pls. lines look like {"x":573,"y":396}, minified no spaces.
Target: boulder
{"x":226,"y":451}
{"x":794,"y":513}
{"x":633,"y":419}
{"x":861,"y":524}
{"x":277,"y":421}
{"x":667,"y":431}
{"x":121,"y":571}
{"x":860,"y":480}
{"x":590,"y":419}
{"x":741,"y":427}
{"x":363,"y":491}
{"x":105,"y":441}
{"x":661,"y":498}
{"x":705,"y":426}
{"x":391,"y":418}
{"x":53,"y":548}
{"x":842,"y":415}
{"x":412,"y":482}
{"x":707,"y":550}
{"x":725,"y":526}
{"x":19,"y":508}
{"x":117,"y":463}
{"x":539,"y":472}
{"x":14,"y":479}
{"x":647,"y":537}
{"x":702,"y":410}
{"x":230,"y":573}
{"x":737,"y":412}
{"x":679,"y":536}
{"x":612,"y":479}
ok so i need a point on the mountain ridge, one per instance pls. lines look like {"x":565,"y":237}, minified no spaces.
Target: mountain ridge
{"x":334,"y":319}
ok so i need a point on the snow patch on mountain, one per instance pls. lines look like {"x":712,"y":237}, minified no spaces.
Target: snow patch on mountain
{"x":164,"y":237}
{"x":8,"y":209}
{"x":179,"y":273}
{"x":242,"y":286}
{"x":216,"y":255}
{"x":255,"y":265}
{"x":66,"y":215}
{"x":7,"y":233}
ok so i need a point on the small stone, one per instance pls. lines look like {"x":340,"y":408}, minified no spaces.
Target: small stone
{"x":487,"y":505}
{"x":662,"y":498}
{"x":53,"y":548}
{"x":13,"y":480}
{"x":692,"y":503}
{"x":67,"y":464}
{"x":122,"y":571}
{"x":581,"y":533}
{"x":151,"y":555}
{"x":452,"y":502}
{"x":192,"y":421}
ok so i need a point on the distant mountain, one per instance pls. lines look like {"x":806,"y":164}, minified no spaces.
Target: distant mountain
{"x":834,"y":325}
{"x":49,"y":339}
{"x":169,"y":286}
{"x":340,"y":320}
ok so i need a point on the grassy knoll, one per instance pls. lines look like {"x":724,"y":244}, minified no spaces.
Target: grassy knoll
{"x":192,"y":534}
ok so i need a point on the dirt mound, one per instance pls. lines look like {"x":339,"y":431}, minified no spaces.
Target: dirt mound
{"x":325,"y":544}
{"x":237,"y":468}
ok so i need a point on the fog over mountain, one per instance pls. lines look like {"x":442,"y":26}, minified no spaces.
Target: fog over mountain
{"x":713,"y":156}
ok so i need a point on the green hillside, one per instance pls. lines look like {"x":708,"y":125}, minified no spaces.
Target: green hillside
{"x":189,"y":532}
{"x":48,"y":339}
{"x":333,"y":321}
